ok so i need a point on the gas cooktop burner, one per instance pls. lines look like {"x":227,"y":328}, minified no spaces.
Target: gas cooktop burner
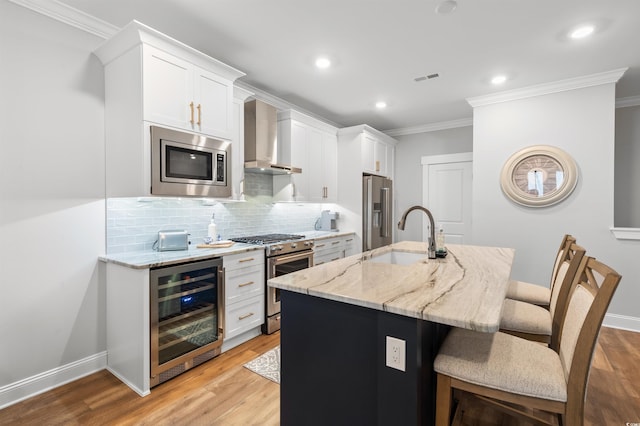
{"x":267,"y":238}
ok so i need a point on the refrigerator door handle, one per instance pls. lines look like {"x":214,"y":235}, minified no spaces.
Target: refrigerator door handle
{"x":386,"y":216}
{"x":368,"y":214}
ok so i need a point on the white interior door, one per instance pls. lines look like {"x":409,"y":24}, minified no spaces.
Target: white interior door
{"x":446,"y":186}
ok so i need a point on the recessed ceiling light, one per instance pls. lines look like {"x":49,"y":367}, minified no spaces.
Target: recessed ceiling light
{"x":323,"y":62}
{"x":499,"y":79}
{"x":381,"y":104}
{"x":446,"y":6}
{"x":582,"y":32}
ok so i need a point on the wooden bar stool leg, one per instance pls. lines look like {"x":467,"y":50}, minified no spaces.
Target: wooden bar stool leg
{"x":443,"y":400}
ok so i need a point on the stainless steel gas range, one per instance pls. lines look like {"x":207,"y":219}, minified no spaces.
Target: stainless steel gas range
{"x":284,"y":253}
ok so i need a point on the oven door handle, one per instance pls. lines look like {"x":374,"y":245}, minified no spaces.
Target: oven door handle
{"x":279,"y":260}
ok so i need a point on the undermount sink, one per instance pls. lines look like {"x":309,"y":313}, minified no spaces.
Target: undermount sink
{"x":398,"y":257}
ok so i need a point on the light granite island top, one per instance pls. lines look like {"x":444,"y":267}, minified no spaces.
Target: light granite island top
{"x":465,"y":289}
{"x":359,"y":335}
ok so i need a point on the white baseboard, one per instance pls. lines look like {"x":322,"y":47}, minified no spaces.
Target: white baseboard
{"x":128,"y":383}
{"x":34,"y":385}
{"x":622,"y":321}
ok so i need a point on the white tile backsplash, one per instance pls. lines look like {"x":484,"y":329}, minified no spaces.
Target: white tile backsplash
{"x":133,"y":223}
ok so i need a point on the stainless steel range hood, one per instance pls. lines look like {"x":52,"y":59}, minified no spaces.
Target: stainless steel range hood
{"x":261,"y":140}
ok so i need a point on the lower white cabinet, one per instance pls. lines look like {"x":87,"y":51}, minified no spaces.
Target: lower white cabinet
{"x":244,"y":297}
{"x":244,"y":315}
{"x":330,"y":249}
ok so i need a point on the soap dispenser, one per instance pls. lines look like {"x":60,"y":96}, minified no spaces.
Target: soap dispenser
{"x":440,"y":239}
{"x":212,"y":231}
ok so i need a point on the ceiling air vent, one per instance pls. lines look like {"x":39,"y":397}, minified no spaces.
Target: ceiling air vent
{"x":425,"y":77}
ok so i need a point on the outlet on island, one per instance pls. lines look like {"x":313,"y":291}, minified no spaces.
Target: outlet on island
{"x":396,"y":353}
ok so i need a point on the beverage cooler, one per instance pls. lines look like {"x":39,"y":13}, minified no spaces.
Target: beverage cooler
{"x":187,"y":317}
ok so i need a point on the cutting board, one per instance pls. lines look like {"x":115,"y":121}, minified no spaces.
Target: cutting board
{"x":217,"y":244}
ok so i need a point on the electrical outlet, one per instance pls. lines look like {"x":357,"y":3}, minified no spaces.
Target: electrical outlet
{"x":396,"y":353}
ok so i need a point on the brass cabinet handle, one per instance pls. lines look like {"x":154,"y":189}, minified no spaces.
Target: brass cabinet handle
{"x":335,"y":242}
{"x":248,"y":259}
{"x":191,"y":108}
{"x":245,"y":316}
{"x":377,"y":165}
{"x":320,"y":245}
{"x":199,"y":114}
{"x":246,"y":284}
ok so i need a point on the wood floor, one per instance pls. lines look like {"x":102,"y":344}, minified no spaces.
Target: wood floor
{"x":222,"y":392}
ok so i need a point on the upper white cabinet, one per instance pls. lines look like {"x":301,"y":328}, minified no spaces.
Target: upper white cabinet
{"x":179,"y":94}
{"x":376,"y":149}
{"x":152,"y":79}
{"x":237,"y":143}
{"x":313,"y":146}
{"x":376,"y":155}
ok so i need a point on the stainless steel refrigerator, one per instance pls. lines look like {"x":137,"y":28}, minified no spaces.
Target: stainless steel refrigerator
{"x":377,"y":212}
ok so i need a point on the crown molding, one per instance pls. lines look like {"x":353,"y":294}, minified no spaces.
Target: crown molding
{"x":71,"y":16}
{"x":83,"y":21}
{"x":431,"y":127}
{"x":628,"y":102}
{"x":548,"y":88}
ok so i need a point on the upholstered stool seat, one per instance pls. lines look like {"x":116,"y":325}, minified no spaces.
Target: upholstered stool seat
{"x":503,"y":362}
{"x":524,"y":317}
{"x":530,"y":293}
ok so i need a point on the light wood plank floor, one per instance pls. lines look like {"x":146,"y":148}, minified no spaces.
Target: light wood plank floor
{"x":222,"y":392}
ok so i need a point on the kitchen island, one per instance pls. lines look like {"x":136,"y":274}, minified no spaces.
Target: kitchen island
{"x":336,"y":319}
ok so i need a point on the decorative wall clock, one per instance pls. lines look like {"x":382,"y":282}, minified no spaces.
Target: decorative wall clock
{"x":539,"y":176}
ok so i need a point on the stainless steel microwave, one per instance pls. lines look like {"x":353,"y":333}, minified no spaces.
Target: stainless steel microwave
{"x":189,"y":165}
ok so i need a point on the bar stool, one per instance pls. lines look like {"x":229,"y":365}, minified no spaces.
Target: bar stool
{"x":534,"y":322}
{"x":524,"y":379}
{"x":537,"y":294}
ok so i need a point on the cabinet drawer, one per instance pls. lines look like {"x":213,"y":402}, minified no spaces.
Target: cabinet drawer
{"x":243,"y":260}
{"x":244,"y":283}
{"x":328,"y":244}
{"x":243,"y":316}
{"x":327,"y":256}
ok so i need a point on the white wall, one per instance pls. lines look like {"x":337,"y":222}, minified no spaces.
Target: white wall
{"x":581,"y":122}
{"x":408,"y":178}
{"x":627,"y":173}
{"x":52,"y":226}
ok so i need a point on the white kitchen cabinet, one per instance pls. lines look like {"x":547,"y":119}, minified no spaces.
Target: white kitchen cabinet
{"x":180,"y":94}
{"x":357,"y":146}
{"x":244,"y":297}
{"x":152,"y":79}
{"x":311,"y":145}
{"x":374,"y":150}
{"x":237,"y":144}
{"x":375,"y":155}
{"x":323,"y":167}
{"x":334,"y":248}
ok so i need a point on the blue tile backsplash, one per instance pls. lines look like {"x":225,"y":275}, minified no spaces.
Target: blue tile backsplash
{"x":133,"y":223}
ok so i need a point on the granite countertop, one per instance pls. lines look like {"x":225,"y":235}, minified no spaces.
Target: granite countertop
{"x":322,"y":235}
{"x":152,"y":259}
{"x":466,"y":289}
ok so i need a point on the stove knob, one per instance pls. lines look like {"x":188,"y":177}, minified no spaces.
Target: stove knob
{"x":276,"y":248}
{"x":308,"y":243}
{"x":294,"y":245}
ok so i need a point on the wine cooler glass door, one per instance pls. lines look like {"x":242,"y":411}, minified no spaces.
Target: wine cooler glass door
{"x":184,"y":312}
